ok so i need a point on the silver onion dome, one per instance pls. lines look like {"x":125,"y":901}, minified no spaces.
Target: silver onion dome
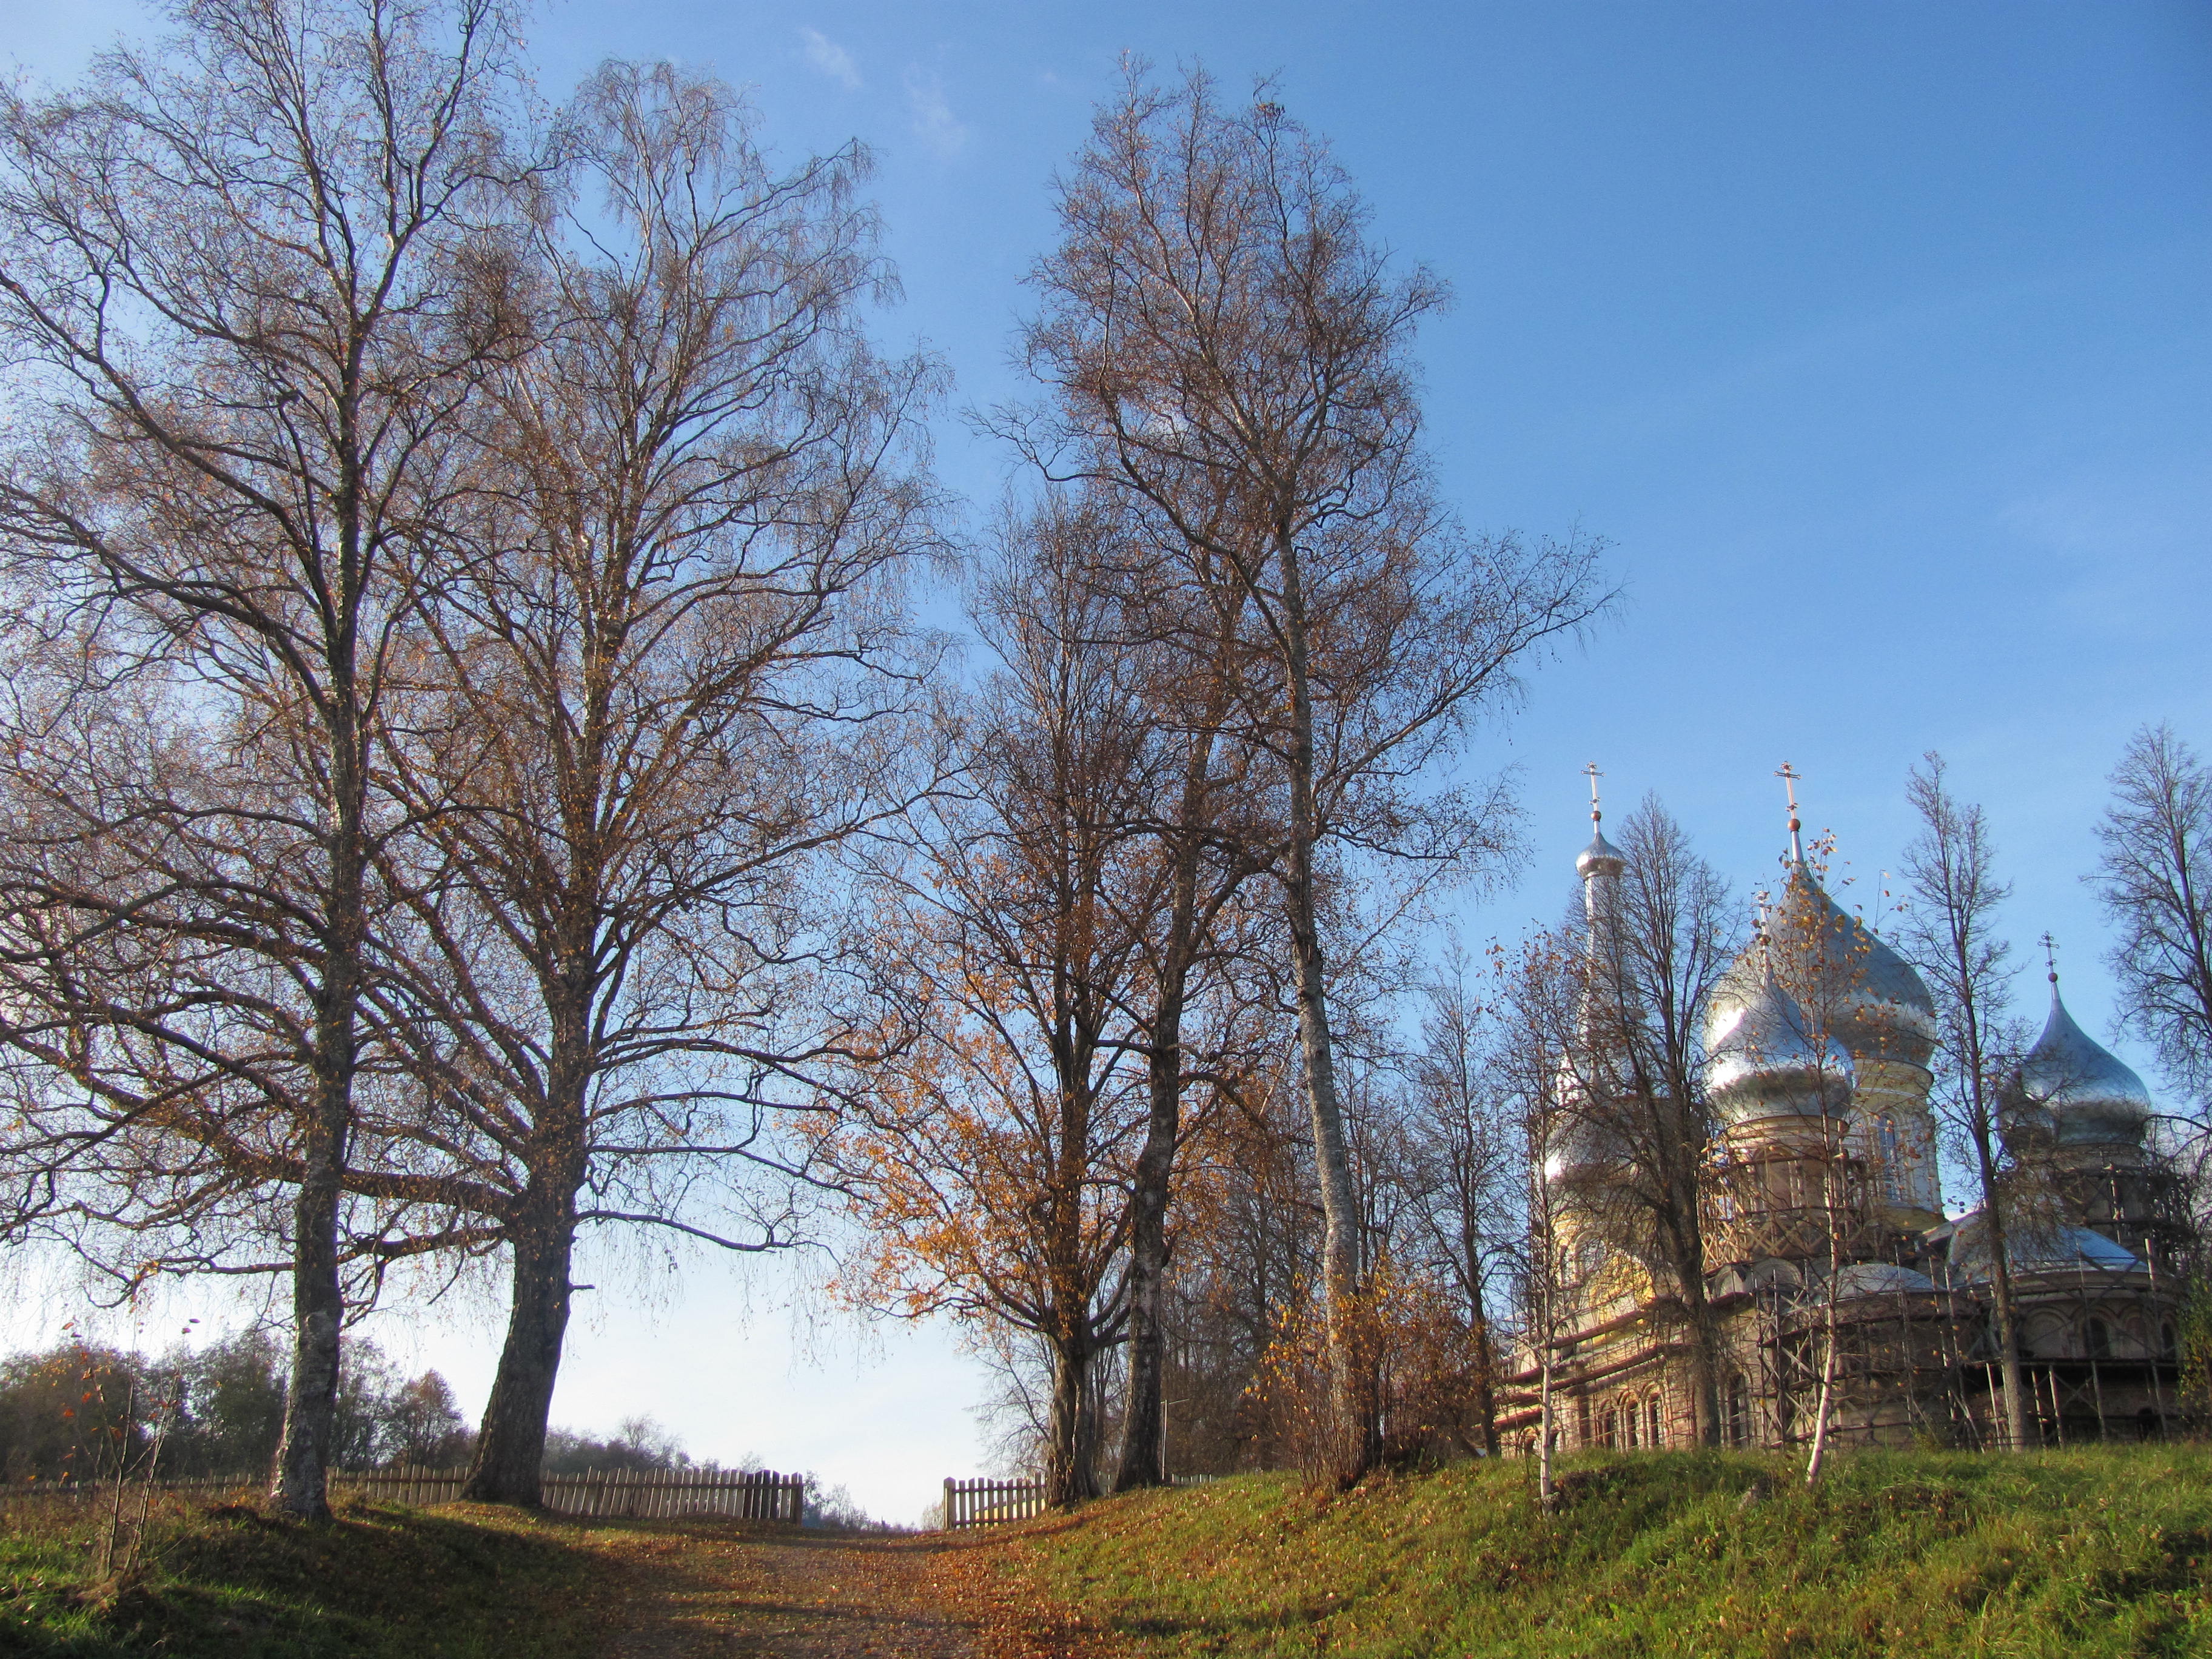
{"x":2076,"y":1092}
{"x":1766,"y":1063}
{"x":1582,"y":1152}
{"x":1599,"y":858}
{"x":1868,"y":998}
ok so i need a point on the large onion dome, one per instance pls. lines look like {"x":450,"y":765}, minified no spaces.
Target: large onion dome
{"x":1767,"y":1063}
{"x":2074,"y":1090}
{"x":1868,"y":998}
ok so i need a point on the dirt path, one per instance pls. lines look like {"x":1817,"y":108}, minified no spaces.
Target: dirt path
{"x":704,"y":1590}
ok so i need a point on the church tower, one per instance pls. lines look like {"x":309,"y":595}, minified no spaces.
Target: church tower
{"x":1585,"y":1160}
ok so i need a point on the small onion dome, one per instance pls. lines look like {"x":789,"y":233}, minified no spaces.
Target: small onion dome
{"x":2077,"y":1091}
{"x":1580,"y":1152}
{"x":1767,"y":1064}
{"x":1599,"y":858}
{"x":1581,"y":1147}
{"x":1874,"y":1003}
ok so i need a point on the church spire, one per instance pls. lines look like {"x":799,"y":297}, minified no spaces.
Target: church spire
{"x":1789,"y":778}
{"x":1600,"y":860}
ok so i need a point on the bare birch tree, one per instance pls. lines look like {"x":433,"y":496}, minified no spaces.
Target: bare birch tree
{"x":990,"y":1160}
{"x":233,"y":304}
{"x":2155,"y":880}
{"x":1538,"y":1002}
{"x":1224,"y":343}
{"x":1951,"y":933}
{"x":1466,"y":1169}
{"x":670,"y":674}
{"x":1659,"y":957}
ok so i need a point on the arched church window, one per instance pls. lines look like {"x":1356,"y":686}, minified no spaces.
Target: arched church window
{"x":2097,"y":1336}
{"x":1739,"y":1410}
{"x":2168,"y":1348}
{"x":1628,"y":1425}
{"x":1655,"y":1420}
{"x":1889,"y":1149}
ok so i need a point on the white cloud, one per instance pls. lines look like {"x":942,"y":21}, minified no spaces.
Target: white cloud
{"x":934,"y":124}
{"x":832,"y":59}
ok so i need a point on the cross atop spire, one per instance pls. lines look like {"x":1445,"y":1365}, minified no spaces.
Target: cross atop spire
{"x":1599,"y":861}
{"x":2050,"y":956}
{"x":1789,"y":777}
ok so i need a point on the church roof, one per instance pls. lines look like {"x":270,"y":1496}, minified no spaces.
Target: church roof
{"x":2032,"y":1250}
{"x":1860,"y":1278}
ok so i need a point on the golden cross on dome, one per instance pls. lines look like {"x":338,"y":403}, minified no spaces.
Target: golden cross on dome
{"x":1591,"y":772}
{"x":2050,"y":956}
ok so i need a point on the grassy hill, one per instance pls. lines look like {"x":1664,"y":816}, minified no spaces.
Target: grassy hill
{"x":2079,"y":1554}
{"x":381,"y":1581}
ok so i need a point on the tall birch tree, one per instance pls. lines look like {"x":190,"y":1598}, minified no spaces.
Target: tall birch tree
{"x":989,"y":1159}
{"x":2154,"y":878}
{"x":1225,"y":344}
{"x":1950,"y":867}
{"x":236,"y":314}
{"x":669,"y":674}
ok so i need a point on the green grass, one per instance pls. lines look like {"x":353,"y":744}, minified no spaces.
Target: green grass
{"x":379,"y":1581}
{"x":2079,"y":1554}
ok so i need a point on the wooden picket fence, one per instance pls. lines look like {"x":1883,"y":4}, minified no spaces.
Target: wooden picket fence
{"x":665,"y":1494}
{"x":641,"y":1494}
{"x":987,"y":1502}
{"x":246,"y":1487}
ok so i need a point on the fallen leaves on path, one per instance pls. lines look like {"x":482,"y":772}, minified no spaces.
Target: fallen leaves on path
{"x":705,"y":1589}
{"x":988,"y":1576}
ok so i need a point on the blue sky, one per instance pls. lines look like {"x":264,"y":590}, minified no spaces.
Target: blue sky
{"x":1877,"y":337}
